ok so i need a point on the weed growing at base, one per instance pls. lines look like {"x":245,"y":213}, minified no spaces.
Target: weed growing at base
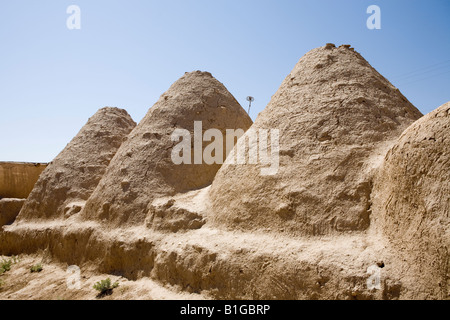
{"x":104,"y":286}
{"x":36,"y":268}
{"x":5,"y":265}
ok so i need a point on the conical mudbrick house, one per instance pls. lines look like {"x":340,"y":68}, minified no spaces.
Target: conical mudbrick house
{"x":334,"y":113}
{"x":69,"y":180}
{"x":143,"y":168}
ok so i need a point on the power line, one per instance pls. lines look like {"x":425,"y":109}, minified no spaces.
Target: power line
{"x":422,"y":70}
{"x":418,"y":80}
{"x":423,"y":73}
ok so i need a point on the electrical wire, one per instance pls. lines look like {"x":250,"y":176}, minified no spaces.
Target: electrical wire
{"x":421,"y":79}
{"x":423,"y":70}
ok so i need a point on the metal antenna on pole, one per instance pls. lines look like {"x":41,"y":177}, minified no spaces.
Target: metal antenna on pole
{"x":250,"y":100}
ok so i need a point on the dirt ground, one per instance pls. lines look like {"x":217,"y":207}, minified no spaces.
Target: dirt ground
{"x":55,"y":282}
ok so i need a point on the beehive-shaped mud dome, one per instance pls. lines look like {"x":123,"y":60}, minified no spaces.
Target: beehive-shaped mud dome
{"x":334,"y":113}
{"x":143,"y":169}
{"x":70,"y":178}
{"x":412,"y":201}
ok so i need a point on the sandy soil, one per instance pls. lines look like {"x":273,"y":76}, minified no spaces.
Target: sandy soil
{"x":52,"y":284}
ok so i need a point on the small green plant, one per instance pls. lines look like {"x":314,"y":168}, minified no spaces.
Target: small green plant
{"x":5,"y":265}
{"x":36,"y":268}
{"x":105,"y":287}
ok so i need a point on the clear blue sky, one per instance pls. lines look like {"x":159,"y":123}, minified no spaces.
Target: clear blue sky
{"x":128,"y":53}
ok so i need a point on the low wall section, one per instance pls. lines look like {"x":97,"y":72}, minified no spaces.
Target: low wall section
{"x":18,"y":179}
